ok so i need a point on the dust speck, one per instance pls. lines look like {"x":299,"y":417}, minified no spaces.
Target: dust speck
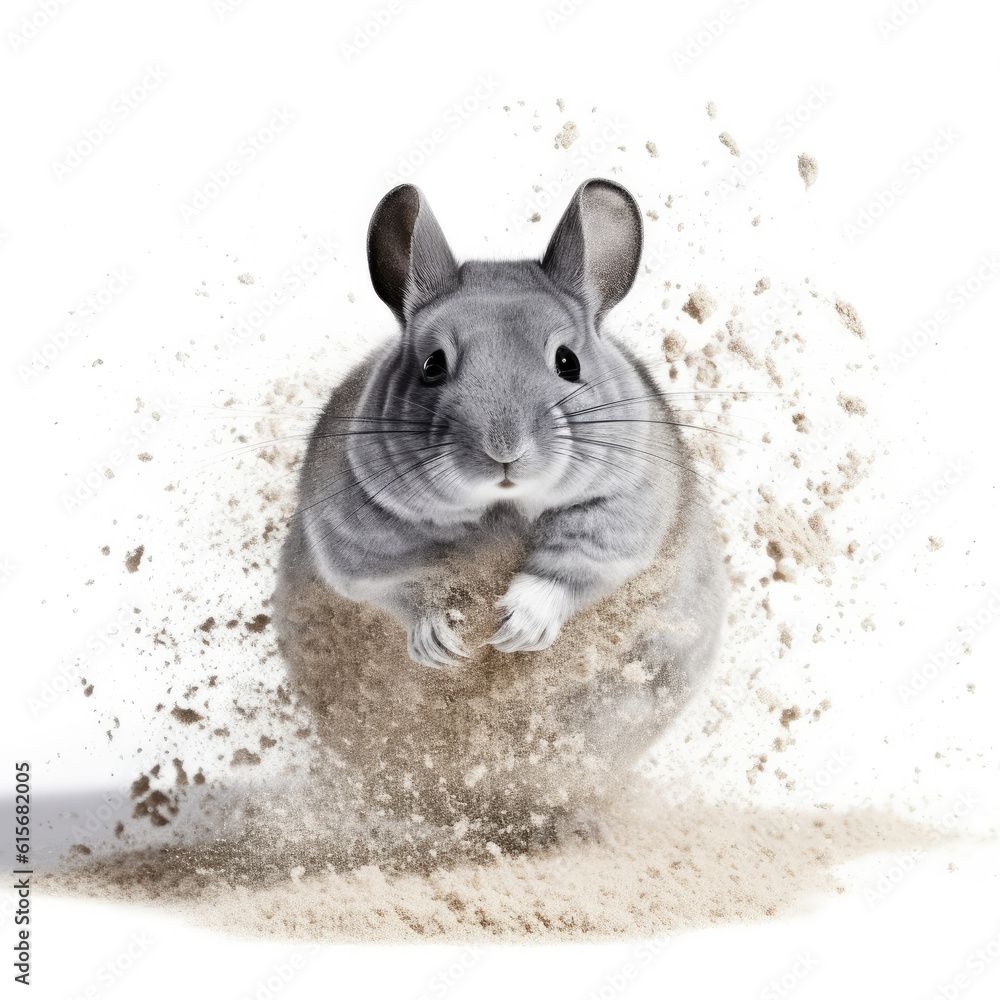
{"x":854,"y":405}
{"x":567,"y":135}
{"x":850,"y":318}
{"x":244,"y":758}
{"x":187,"y":716}
{"x":808,"y":170}
{"x":700,"y":304}
{"x":729,"y":142}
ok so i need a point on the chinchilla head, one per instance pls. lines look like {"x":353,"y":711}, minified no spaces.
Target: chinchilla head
{"x":497,"y":361}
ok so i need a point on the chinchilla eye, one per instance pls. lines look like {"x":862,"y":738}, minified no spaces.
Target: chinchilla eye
{"x":435,"y":369}
{"x":567,"y":364}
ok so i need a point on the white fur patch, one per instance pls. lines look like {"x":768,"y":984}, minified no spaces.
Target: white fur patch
{"x":535,"y":609}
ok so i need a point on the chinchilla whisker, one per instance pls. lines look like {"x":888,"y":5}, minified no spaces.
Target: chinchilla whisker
{"x":358,"y":484}
{"x":446,"y":474}
{"x":721,"y":414}
{"x":587,"y":457}
{"x":610,"y":374}
{"x":381,"y":419}
{"x":666,"y":423}
{"x":216,"y":410}
{"x":381,"y":431}
{"x":646,"y":397}
{"x":305,"y":435}
{"x":290,"y":414}
{"x":594,"y":383}
{"x":602,"y":461}
{"x":648,"y":455}
{"x":371,"y":497}
{"x":387,"y":467}
{"x":387,"y":464}
{"x":412,"y":402}
{"x":243,"y":449}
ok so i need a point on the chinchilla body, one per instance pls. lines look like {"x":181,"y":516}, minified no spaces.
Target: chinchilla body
{"x":502,"y":570}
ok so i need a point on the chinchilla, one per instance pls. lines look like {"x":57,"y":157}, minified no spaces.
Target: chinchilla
{"x":501,"y":492}
{"x":504,"y":400}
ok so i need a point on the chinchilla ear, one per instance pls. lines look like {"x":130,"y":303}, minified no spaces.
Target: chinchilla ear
{"x":408,"y":257}
{"x":594,"y":252}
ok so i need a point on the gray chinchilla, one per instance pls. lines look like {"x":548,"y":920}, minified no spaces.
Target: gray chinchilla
{"x":505,"y":419}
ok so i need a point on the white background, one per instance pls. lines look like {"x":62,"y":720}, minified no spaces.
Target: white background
{"x":225,"y":71}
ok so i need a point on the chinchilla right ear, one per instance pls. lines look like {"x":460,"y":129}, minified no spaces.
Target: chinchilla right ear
{"x":408,"y":257}
{"x":594,"y":252}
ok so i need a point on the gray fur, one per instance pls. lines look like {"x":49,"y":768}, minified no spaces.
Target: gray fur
{"x":595,"y":502}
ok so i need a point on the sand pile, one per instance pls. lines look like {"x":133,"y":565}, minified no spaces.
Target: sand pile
{"x":274,"y":810}
{"x":657,"y":867}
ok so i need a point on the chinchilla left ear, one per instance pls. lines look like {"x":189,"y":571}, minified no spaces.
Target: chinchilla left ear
{"x":595,"y":250}
{"x":408,"y":257}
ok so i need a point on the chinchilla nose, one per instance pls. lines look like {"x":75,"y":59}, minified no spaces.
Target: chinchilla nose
{"x":504,"y":439}
{"x":504,"y":427}
{"x":504,"y":451}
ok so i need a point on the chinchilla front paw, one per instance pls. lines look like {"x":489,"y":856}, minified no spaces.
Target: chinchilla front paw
{"x":432,"y":642}
{"x":534,"y":610}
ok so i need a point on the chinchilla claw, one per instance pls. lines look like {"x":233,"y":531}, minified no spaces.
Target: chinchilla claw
{"x":432,"y":642}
